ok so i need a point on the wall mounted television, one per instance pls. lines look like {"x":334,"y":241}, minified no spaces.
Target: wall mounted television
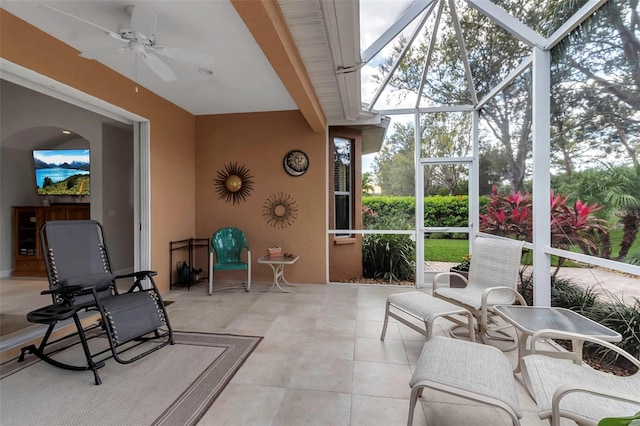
{"x":62,"y":171}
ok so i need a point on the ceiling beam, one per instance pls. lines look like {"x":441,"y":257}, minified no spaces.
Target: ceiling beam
{"x":266,"y":23}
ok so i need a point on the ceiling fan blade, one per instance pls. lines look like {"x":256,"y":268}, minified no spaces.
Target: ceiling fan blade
{"x":77,"y":18}
{"x":185,"y":55}
{"x":161,"y":69}
{"x":101,"y":52}
{"x":143,"y":21}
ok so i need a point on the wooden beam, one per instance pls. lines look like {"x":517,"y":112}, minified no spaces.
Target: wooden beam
{"x":266,"y":23}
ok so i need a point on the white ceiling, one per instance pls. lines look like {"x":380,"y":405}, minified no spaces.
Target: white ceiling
{"x":242,"y":80}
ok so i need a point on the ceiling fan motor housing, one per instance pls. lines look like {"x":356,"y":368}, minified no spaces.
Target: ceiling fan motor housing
{"x":126,"y":32}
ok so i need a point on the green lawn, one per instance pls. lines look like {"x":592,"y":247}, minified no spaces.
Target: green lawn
{"x":448,"y":250}
{"x":441,"y":250}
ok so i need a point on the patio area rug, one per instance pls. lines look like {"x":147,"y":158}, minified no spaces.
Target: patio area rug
{"x":174,"y":386}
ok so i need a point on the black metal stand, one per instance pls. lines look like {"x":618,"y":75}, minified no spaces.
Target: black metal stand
{"x":190,"y":245}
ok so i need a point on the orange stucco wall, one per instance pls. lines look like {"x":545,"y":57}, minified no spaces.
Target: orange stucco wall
{"x":259,"y":142}
{"x":187,"y":152}
{"x":172,"y":128}
{"x":345,"y":253}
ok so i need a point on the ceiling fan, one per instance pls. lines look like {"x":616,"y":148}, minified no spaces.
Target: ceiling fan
{"x":139,"y":36}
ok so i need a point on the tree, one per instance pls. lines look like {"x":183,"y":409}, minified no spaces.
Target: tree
{"x":441,"y":135}
{"x":393,"y":166}
{"x":367,"y":184}
{"x":492,"y":54}
{"x":597,"y":80}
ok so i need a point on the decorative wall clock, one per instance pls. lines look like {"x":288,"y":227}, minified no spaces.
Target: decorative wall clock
{"x":296,"y":163}
{"x":280,"y":210}
{"x":234,"y":183}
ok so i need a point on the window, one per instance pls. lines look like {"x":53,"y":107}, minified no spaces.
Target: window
{"x":343,"y":185}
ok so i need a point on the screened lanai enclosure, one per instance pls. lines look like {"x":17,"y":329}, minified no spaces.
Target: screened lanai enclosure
{"x":513,"y":118}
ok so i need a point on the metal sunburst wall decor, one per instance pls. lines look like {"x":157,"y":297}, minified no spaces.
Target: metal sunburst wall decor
{"x":280,"y":210}
{"x":234,"y":183}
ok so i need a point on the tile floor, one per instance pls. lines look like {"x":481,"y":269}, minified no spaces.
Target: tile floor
{"x":321,"y":361}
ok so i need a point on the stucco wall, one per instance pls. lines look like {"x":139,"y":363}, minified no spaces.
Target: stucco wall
{"x":184,"y":163}
{"x":172,"y":140}
{"x":259,"y":142}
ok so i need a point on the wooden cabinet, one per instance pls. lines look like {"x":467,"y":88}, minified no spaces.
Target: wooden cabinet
{"x":27,"y":253}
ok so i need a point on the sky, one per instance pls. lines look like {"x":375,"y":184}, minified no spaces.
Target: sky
{"x":57,"y":156}
{"x":375,"y":17}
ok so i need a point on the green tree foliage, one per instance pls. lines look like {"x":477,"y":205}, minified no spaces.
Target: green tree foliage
{"x":367,"y":183}
{"x":393,"y":167}
{"x":47,"y":181}
{"x":617,"y":189}
{"x":596,"y":75}
{"x":441,"y":135}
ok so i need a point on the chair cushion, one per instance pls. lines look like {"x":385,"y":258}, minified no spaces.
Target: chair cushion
{"x":544,"y":374}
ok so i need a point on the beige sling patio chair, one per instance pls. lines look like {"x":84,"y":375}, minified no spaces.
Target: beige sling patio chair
{"x":569,"y":388}
{"x":493,"y":280}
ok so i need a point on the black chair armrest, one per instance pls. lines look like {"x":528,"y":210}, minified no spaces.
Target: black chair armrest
{"x":139,"y":276}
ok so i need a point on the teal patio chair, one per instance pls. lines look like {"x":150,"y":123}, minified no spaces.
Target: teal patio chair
{"x":228,"y":245}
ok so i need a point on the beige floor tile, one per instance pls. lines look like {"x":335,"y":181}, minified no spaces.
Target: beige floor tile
{"x":293,"y":324}
{"x":381,"y":379}
{"x":330,"y":346}
{"x":373,"y":329}
{"x":288,"y":343}
{"x":321,"y":361}
{"x":414,"y":349}
{"x":373,"y":410}
{"x":324,"y":374}
{"x":371,"y":314}
{"x":267,"y":369}
{"x":438,"y":413}
{"x":344,"y":312}
{"x":245,"y":405}
{"x":311,"y":408}
{"x":336,"y":326}
{"x":389,"y":351}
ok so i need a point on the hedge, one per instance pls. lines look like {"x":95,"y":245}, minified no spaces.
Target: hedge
{"x":439,"y":210}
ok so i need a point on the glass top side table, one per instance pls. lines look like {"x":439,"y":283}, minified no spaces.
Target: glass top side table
{"x":530,"y":319}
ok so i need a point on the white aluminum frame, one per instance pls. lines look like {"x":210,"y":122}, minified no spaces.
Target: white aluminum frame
{"x":540,"y":63}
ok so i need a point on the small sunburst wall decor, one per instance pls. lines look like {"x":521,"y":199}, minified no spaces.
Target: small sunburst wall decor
{"x":234,"y":183}
{"x":280,"y":210}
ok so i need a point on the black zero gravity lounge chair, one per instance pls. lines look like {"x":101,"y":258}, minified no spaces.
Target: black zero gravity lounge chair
{"x":81,"y":280}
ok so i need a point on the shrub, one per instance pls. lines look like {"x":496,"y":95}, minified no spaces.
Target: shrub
{"x":623,"y":318}
{"x":388,"y":257}
{"x":618,"y":316}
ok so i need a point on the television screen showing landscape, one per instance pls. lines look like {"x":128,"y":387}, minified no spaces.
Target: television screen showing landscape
{"x":62,"y":171}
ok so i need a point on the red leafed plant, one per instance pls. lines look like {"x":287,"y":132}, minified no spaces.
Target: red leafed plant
{"x":511,"y":216}
{"x":575,"y":224}
{"x":508,"y":216}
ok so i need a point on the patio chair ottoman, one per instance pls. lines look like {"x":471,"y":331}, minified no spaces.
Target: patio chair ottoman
{"x":470,"y":370}
{"x":422,"y":307}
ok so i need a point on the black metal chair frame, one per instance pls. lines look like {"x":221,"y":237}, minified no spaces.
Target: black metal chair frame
{"x":70,"y":301}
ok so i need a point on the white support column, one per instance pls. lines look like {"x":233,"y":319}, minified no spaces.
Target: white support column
{"x":541,"y":98}
{"x":419,"y":197}
{"x":474,"y":176}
